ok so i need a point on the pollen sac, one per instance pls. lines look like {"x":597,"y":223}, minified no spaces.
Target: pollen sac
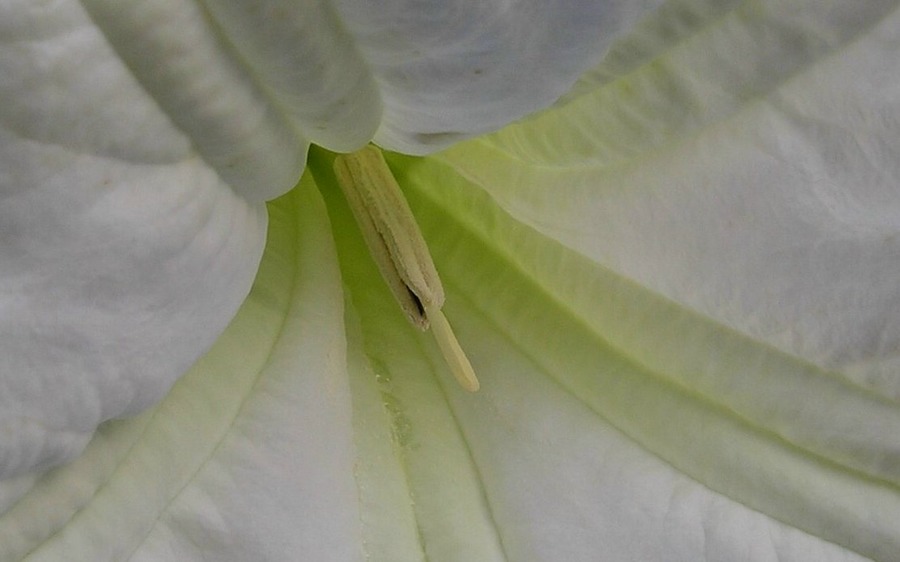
{"x":390,"y":232}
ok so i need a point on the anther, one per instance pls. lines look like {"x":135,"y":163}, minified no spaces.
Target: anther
{"x":399,"y":250}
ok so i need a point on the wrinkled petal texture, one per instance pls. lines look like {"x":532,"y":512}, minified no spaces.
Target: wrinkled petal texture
{"x":124,"y":255}
{"x":256,"y":434}
{"x":678,"y":288}
{"x":140,"y":139}
{"x":253,"y":83}
{"x":450,"y":70}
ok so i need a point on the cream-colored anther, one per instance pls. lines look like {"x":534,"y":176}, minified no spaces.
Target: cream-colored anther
{"x":390,"y":231}
{"x":398,"y":248}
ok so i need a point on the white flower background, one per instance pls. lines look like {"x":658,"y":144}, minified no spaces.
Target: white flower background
{"x":677,"y":283}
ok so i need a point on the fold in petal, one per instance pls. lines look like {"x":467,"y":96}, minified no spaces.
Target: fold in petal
{"x":138,"y":141}
{"x":758,"y":188}
{"x":258,"y":433}
{"x":735,"y":226}
{"x":449,"y":70}
{"x":253,"y":83}
{"x":678,"y":290}
{"x":123,"y":254}
{"x":660,"y":383}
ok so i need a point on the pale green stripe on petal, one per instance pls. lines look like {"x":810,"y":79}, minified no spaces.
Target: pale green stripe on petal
{"x":452,"y":517}
{"x":773,"y":210}
{"x":387,"y":508}
{"x":837,"y":419}
{"x":706,"y":399}
{"x":566,"y":484}
{"x":693,"y":64}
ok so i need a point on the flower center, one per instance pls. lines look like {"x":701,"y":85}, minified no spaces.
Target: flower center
{"x":398,"y":248}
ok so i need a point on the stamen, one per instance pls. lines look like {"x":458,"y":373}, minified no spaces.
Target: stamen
{"x":399,"y":250}
{"x":453,"y":354}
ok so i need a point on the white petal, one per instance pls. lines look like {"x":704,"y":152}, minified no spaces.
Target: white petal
{"x":124,"y":254}
{"x":129,"y":131}
{"x":538,"y":465}
{"x":249,"y":457}
{"x":449,"y":70}
{"x":179,"y":57}
{"x":758,"y":188}
{"x":741,"y":219}
{"x":634,"y":405}
{"x":250,"y":82}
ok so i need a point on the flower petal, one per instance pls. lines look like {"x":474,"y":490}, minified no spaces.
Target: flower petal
{"x":759,"y":190}
{"x":212,"y":107}
{"x":255,"y":435}
{"x":634,"y":403}
{"x":539,"y":465}
{"x":452,"y":70}
{"x":736,"y":243}
{"x":716,"y":406}
{"x":124,"y":255}
{"x":273,"y":75}
{"x":181,"y":60}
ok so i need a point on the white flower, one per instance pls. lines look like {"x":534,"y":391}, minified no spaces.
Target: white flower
{"x":677,"y":285}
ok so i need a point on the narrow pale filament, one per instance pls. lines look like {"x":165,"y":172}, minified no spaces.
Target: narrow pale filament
{"x":396,"y":244}
{"x":453,"y":354}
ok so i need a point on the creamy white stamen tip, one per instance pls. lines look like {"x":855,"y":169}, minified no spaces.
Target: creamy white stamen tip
{"x":453,"y":354}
